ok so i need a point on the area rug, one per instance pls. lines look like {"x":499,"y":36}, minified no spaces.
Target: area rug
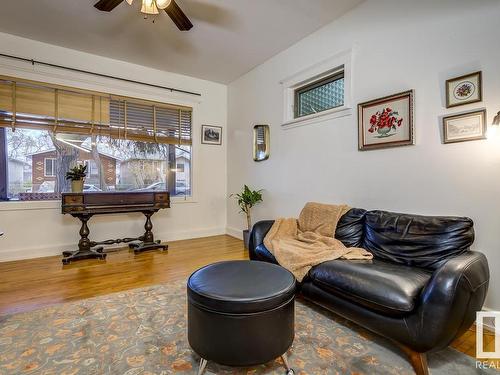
{"x":143,"y":331}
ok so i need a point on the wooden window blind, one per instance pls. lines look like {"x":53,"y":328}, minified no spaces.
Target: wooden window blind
{"x":35,"y":105}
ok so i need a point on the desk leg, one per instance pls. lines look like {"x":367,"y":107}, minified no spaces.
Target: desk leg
{"x":148,"y":240}
{"x":85,"y":251}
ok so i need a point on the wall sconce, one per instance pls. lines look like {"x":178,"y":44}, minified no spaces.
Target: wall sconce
{"x":494,"y":129}
{"x":261,"y":142}
{"x":496,"y":120}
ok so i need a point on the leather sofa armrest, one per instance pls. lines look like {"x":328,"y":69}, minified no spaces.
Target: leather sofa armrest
{"x":449,"y":302}
{"x":259,"y":231}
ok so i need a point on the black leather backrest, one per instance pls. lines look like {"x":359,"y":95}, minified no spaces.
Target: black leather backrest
{"x":350,"y":227}
{"x":413,"y":240}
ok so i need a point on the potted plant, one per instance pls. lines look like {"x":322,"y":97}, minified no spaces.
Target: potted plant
{"x":246,"y":200}
{"x":77,"y":176}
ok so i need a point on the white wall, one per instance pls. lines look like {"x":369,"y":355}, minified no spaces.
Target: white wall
{"x":397,"y":45}
{"x":38,"y":229}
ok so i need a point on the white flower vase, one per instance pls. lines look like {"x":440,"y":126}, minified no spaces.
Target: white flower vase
{"x":77,"y":186}
{"x":384,"y":132}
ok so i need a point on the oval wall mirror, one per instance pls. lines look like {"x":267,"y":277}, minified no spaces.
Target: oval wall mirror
{"x":260,"y":142}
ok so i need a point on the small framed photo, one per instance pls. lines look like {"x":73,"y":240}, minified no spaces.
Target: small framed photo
{"x":464,"y":90}
{"x":464,"y":127}
{"x":211,"y":135}
{"x":386,"y":122}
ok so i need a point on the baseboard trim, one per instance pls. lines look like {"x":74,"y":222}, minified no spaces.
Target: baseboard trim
{"x":488,"y":326}
{"x":34,"y":252}
{"x":235,"y":232}
{"x":47,"y":251}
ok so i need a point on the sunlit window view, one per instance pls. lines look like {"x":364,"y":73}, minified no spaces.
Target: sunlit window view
{"x":126,"y":144}
{"x":38,"y":161}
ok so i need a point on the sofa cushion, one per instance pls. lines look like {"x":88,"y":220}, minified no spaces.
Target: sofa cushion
{"x":381,"y":286}
{"x":413,"y":240}
{"x":350,"y":227}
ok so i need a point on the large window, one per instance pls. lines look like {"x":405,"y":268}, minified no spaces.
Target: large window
{"x":127,"y":144}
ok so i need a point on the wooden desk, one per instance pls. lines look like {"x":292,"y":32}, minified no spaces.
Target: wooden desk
{"x":85,"y":205}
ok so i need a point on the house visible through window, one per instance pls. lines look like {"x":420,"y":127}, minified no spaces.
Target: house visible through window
{"x":92,"y":168}
{"x":180,"y":168}
{"x":320,"y":95}
{"x":127,"y":144}
{"x":50,"y":167}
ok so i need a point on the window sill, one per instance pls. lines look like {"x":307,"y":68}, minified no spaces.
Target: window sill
{"x":31,"y":205}
{"x":56,"y":204}
{"x":318,"y":117}
{"x":178,"y":200}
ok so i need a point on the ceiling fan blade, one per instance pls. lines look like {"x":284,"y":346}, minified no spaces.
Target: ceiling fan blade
{"x":107,"y":5}
{"x":178,"y":16}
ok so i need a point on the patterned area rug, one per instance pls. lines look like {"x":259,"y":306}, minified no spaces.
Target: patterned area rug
{"x":143,"y":331}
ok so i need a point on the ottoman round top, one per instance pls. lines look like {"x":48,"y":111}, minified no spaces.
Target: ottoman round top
{"x":241,"y":286}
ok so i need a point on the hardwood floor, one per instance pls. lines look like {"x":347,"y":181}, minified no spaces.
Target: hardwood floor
{"x":30,"y":284}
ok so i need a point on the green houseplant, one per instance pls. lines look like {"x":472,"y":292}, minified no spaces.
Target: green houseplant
{"x":77,"y":176}
{"x":246,"y":200}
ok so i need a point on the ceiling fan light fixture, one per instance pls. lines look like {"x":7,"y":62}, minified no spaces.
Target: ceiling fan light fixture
{"x":162,"y":4}
{"x":149,"y":7}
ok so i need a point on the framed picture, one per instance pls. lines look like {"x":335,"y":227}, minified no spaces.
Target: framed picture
{"x":464,"y":127}
{"x":211,"y":135}
{"x":464,"y":90}
{"x":386,"y":122}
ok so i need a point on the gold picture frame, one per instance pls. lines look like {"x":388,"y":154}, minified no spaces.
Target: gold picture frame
{"x":386,"y":122}
{"x":463,"y":90}
{"x":469,"y":126}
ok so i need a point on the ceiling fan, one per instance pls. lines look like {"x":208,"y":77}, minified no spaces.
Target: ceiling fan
{"x":153,"y":7}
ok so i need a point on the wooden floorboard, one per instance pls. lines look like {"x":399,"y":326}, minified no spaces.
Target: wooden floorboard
{"x":34,"y":283}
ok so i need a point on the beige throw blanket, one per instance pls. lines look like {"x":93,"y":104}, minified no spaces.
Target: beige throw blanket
{"x":298,"y":245}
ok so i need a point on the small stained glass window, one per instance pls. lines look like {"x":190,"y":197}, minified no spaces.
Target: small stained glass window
{"x":320,"y":95}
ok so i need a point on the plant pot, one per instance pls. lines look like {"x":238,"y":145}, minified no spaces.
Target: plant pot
{"x":246,"y":238}
{"x":77,"y":186}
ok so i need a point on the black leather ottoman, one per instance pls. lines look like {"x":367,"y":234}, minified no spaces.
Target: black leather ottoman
{"x":241,"y":313}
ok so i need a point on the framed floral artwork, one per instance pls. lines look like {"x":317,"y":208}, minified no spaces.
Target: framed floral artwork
{"x":386,"y":122}
{"x":464,"y":127}
{"x":464,"y":90}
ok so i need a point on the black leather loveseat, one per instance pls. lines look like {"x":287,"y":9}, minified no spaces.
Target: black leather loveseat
{"x":421,"y":290}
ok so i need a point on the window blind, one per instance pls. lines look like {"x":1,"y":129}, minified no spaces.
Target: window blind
{"x":35,"y":105}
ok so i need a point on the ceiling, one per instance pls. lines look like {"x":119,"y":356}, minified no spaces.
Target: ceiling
{"x":229,"y":37}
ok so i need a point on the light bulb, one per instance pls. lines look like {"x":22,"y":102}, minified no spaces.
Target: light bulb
{"x":162,"y":4}
{"x":493,"y":134}
{"x":149,"y":7}
{"x":494,"y":129}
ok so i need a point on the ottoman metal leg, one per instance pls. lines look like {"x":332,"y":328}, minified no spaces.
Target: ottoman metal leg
{"x":203,"y":365}
{"x":289,"y":371}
